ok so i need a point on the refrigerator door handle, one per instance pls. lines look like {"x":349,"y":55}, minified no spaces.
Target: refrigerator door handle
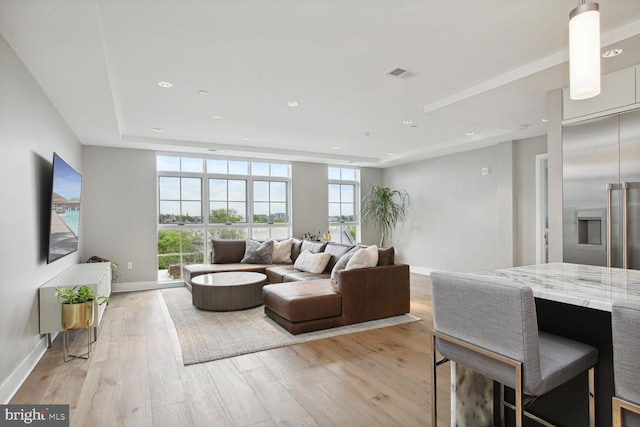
{"x":625,"y":225}
{"x":610,"y":188}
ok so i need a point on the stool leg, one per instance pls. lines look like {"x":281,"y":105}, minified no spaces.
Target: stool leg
{"x":434,"y":388}
{"x":592,"y":397}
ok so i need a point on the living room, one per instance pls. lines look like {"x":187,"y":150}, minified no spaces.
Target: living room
{"x":461,"y":219}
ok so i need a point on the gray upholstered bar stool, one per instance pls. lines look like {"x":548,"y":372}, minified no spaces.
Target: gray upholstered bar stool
{"x":625,"y":324}
{"x":489,"y":324}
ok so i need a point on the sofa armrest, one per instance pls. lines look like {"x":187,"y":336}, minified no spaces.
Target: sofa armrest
{"x":374,"y":293}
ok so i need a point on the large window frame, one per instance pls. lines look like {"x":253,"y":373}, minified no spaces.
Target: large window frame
{"x":215,"y":170}
{"x":344,"y":230}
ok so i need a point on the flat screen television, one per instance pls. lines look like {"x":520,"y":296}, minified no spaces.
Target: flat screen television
{"x":66,"y":189}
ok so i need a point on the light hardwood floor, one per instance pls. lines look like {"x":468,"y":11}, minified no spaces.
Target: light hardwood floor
{"x":135,"y":376}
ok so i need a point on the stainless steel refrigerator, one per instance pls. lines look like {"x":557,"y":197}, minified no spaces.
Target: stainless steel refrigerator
{"x":601,"y":191}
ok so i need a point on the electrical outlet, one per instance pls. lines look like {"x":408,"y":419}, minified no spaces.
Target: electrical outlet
{"x":129,"y":265}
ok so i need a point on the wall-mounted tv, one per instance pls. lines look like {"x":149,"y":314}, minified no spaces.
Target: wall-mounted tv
{"x":66,"y":189}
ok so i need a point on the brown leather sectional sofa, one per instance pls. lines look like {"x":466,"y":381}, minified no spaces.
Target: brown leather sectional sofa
{"x":302,"y":302}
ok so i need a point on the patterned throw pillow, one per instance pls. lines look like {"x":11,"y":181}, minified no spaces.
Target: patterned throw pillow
{"x":258,"y":253}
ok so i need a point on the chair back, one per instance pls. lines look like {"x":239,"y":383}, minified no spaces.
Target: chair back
{"x":490,"y":312}
{"x":625,"y":324}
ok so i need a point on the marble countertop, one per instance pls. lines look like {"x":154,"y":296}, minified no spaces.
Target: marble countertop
{"x":583,"y":285}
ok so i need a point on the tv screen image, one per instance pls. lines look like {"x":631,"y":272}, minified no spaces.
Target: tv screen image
{"x":66,"y":190}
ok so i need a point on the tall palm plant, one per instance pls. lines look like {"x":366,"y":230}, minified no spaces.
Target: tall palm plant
{"x":385,"y":208}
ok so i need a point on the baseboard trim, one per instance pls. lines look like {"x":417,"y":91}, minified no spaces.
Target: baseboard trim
{"x":145,"y":286}
{"x":13,"y":383}
{"x":425,"y":271}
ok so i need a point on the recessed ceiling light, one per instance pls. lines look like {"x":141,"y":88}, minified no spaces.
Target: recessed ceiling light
{"x":335,"y":147}
{"x":292,"y":104}
{"x":203,"y":92}
{"x":246,"y":138}
{"x":469,"y":133}
{"x":390,"y":154}
{"x":407,"y":122}
{"x":216,"y":117}
{"x":157,"y":130}
{"x":611,"y":53}
{"x":545,"y":120}
{"x":164,"y":84}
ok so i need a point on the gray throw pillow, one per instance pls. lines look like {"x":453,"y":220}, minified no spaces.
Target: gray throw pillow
{"x":258,"y":253}
{"x":342,"y":264}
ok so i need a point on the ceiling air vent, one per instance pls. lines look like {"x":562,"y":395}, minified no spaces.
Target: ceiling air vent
{"x":402,"y":73}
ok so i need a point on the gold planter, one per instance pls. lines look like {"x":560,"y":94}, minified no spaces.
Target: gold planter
{"x":77,"y":316}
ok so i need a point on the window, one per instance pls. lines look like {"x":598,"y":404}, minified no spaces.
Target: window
{"x":203,"y":199}
{"x":344,"y":188}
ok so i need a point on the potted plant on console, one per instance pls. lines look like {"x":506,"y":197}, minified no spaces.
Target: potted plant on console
{"x":77,"y":305}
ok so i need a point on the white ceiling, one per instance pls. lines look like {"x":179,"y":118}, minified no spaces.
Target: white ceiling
{"x":484,"y":67}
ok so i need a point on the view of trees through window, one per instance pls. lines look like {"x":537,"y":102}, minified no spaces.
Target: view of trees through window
{"x":202,"y":199}
{"x":344,"y":188}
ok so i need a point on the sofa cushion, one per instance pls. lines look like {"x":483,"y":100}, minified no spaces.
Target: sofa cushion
{"x":312,"y":262}
{"x":336,"y":250}
{"x":366,"y":257}
{"x":298,"y":276}
{"x":276,"y":273}
{"x":227,"y":251}
{"x":313,"y":247}
{"x":258,"y":253}
{"x":386,"y":256}
{"x":302,"y":301}
{"x":282,"y":252}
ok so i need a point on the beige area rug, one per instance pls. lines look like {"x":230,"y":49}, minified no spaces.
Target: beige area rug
{"x":209,"y":335}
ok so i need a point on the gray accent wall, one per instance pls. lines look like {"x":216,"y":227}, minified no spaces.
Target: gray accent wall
{"x":310,"y":199}
{"x":462,"y":220}
{"x":120,"y":210}
{"x":31,"y":130}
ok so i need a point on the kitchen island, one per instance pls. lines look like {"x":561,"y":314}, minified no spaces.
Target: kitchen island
{"x":574,"y":301}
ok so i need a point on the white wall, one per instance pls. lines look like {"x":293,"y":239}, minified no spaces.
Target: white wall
{"x":31,"y":130}
{"x":119,"y":216}
{"x":525,"y":152}
{"x":461,"y":220}
{"x":310,"y":198}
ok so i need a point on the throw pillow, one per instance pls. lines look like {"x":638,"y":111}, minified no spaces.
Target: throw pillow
{"x":313,"y":247}
{"x":386,"y":256}
{"x":282,"y":252}
{"x":336,"y":250}
{"x":296,"y":248}
{"x":227,"y":251}
{"x":342,"y":264}
{"x":367,"y":257}
{"x":312,"y":263}
{"x":258,"y":253}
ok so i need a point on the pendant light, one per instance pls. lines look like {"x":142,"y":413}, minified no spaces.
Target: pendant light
{"x":584,"y":51}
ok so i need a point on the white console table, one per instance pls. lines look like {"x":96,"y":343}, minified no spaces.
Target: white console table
{"x":95,"y":275}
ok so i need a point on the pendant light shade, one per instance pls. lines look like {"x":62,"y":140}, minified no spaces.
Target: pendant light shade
{"x":584,"y":51}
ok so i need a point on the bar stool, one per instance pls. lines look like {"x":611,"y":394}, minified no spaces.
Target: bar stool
{"x":489,"y":324}
{"x":625,"y":325}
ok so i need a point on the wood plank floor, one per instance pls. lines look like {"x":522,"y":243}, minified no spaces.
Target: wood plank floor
{"x":135,"y":376}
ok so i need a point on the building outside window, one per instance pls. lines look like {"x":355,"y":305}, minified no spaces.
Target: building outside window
{"x":344,"y":196}
{"x":202,"y":199}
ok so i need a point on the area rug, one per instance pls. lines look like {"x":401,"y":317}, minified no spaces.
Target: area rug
{"x":208,"y":335}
